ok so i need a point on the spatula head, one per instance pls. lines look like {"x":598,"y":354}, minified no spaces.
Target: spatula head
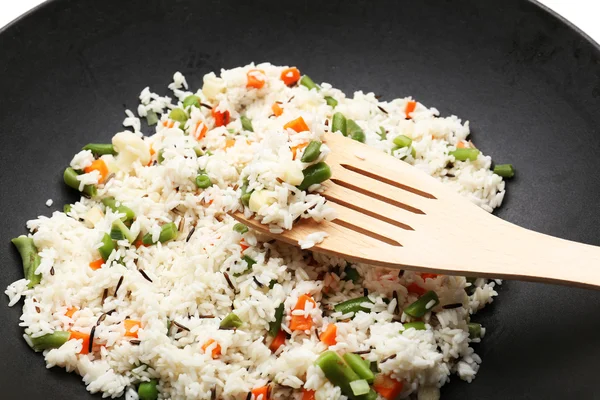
{"x":388,"y":212}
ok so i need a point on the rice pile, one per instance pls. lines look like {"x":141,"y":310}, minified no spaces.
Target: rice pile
{"x":180,"y":290}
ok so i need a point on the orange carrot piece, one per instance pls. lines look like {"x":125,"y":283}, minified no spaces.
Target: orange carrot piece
{"x":100,"y":166}
{"x":85,"y":349}
{"x":461,"y":145}
{"x":200,"y":130}
{"x":328,"y":336}
{"x":296,"y":149}
{"x":216,"y":351}
{"x":410,"y":107}
{"x":70,"y":311}
{"x":277,"y":110}
{"x":308,"y":394}
{"x":97,"y":264}
{"x":229,"y":143}
{"x":278,"y":341}
{"x":221,"y":118}
{"x":300,"y":322}
{"x":297,"y":125}
{"x":260,"y":391}
{"x":416,"y":289}
{"x":387,"y":387}
{"x":129,"y":324}
{"x":427,"y":275}
{"x":168,"y":123}
{"x":243,"y":245}
{"x":256,"y":78}
{"x":290,"y":76}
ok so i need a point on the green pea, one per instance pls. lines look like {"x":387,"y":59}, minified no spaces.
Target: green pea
{"x":148,"y":390}
{"x":203,"y":181}
{"x":67,"y":208}
{"x":191,"y":100}
{"x":312,"y":151}
{"x":240,"y":228}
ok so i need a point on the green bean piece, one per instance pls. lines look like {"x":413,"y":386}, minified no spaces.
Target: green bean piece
{"x":246,"y":124}
{"x":314,"y":174}
{"x":191,"y":100}
{"x":70,"y":178}
{"x":148,"y":390}
{"x":355,"y":131}
{"x":308,"y":83}
{"x":179,"y":115}
{"x":151,"y":118}
{"x":29,"y":257}
{"x":275,"y":326}
{"x":402,"y":141}
{"x":359,"y":366}
{"x":337,"y":371}
{"x":372,"y":395}
{"x":147,"y":239}
{"x":331,"y":101}
{"x":353,"y":305}
{"x":250,"y":262}
{"x":339,"y":123}
{"x":351,"y":274}
{"x":245,"y":197}
{"x":420,"y":306}
{"x":167,"y":232}
{"x":382,"y":133}
{"x":67,"y":208}
{"x":240,"y":228}
{"x":119,"y":231}
{"x":100,"y":149}
{"x":198,"y":151}
{"x":107,"y":246}
{"x":359,"y":387}
{"x":465,"y":154}
{"x":504,"y":170}
{"x":160,"y":156}
{"x":374,"y":367}
{"x":312,"y":151}
{"x":203,"y":181}
{"x":111,"y":203}
{"x":474,"y":330}
{"x":50,"y":340}
{"x":231,"y":321}
{"x":417,"y":325}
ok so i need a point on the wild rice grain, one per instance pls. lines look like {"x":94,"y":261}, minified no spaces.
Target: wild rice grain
{"x":189,"y":236}
{"x":451,"y":306}
{"x":118,"y":285}
{"x":144,"y":275}
{"x":177,"y":324}
{"x":91,"y":343}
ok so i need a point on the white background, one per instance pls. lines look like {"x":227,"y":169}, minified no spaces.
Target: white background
{"x":580,"y":12}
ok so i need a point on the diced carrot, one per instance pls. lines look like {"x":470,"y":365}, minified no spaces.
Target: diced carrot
{"x":277,"y":110}
{"x":328,"y":336}
{"x":97,"y":264}
{"x":308,"y":394}
{"x":260,"y":391}
{"x":216,"y":351}
{"x":70,"y":311}
{"x":427,"y":275}
{"x":221,"y":118}
{"x":414,"y":288}
{"x":410,"y":107}
{"x":152,"y":152}
{"x":256,"y":78}
{"x":300,"y":322}
{"x":229,"y":143}
{"x":85,"y":349}
{"x":129,"y":325}
{"x":296,"y":149}
{"x":200,"y":130}
{"x":243,"y":245}
{"x":169,"y":123}
{"x":290,"y":76}
{"x":100,"y":166}
{"x":387,"y":387}
{"x":297,"y":125}
{"x":278,"y":341}
{"x":461,"y":145}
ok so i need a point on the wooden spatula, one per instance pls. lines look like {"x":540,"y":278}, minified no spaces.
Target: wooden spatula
{"x":394,"y":215}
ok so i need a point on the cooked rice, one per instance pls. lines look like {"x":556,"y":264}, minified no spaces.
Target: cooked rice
{"x":186,"y":276}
